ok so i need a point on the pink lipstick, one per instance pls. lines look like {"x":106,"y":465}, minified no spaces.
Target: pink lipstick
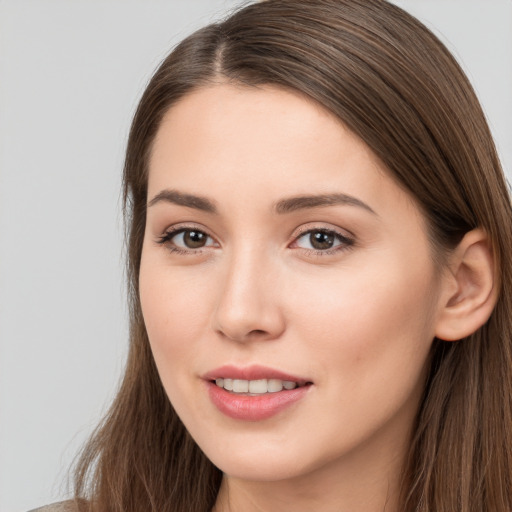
{"x":254,"y":393}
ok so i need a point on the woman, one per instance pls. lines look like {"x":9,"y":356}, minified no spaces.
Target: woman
{"x":319,"y":231}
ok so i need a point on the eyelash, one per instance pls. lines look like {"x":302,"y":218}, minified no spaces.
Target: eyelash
{"x":167,"y":237}
{"x":346,"y":243}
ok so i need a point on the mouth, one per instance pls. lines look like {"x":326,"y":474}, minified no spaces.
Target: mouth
{"x":257,"y":387}
{"x":254,"y":393}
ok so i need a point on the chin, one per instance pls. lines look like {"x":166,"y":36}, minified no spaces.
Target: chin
{"x":259,"y":461}
{"x":259,"y":470}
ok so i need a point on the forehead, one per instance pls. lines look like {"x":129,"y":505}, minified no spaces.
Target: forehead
{"x":257,"y":144}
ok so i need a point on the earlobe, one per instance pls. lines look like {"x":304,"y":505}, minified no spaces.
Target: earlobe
{"x":469,"y":288}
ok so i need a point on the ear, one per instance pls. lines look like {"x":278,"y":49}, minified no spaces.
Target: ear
{"x":469,"y":289}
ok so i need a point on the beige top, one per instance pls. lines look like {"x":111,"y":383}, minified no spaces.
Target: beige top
{"x":62,"y":506}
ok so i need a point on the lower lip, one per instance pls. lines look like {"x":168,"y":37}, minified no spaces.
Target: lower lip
{"x":254,"y":408}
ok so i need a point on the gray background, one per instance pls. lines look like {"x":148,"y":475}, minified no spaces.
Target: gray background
{"x":71,"y":72}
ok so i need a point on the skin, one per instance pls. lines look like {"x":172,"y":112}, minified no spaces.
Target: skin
{"x":358,"y":321}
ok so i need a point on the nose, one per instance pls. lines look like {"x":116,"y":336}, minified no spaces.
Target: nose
{"x":248,"y":306}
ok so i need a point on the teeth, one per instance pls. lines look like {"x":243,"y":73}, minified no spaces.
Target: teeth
{"x":274,"y":385}
{"x":240,"y":386}
{"x":255,"y":387}
{"x":258,"y":386}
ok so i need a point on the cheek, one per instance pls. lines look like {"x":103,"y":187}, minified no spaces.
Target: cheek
{"x":367,"y":335}
{"x":175,"y":309}
{"x":368,"y":319}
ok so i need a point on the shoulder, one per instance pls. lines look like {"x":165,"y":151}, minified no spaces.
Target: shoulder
{"x":62,"y":506}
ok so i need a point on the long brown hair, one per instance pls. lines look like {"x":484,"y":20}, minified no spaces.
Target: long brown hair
{"x":395,"y":85}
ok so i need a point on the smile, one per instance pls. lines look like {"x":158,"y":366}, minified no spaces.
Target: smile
{"x":255,"y":387}
{"x":254,"y":393}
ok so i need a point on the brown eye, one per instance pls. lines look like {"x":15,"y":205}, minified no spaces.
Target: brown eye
{"x":186,"y":240}
{"x":194,"y":239}
{"x":321,"y":240}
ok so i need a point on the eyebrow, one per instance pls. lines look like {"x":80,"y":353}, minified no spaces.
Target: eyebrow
{"x":317,"y":201}
{"x":283,"y":206}
{"x":182,"y":199}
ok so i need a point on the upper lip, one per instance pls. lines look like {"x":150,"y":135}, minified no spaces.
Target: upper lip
{"x":253,"y":372}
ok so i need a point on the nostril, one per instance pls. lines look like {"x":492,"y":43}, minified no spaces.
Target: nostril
{"x":257,"y":332}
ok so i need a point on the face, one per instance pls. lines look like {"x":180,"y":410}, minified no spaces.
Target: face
{"x":281,"y":259}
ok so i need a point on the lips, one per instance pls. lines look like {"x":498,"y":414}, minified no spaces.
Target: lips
{"x":253,"y":373}
{"x":254,"y":393}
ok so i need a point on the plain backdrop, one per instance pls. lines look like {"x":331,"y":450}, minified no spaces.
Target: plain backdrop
{"x":71,"y":72}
